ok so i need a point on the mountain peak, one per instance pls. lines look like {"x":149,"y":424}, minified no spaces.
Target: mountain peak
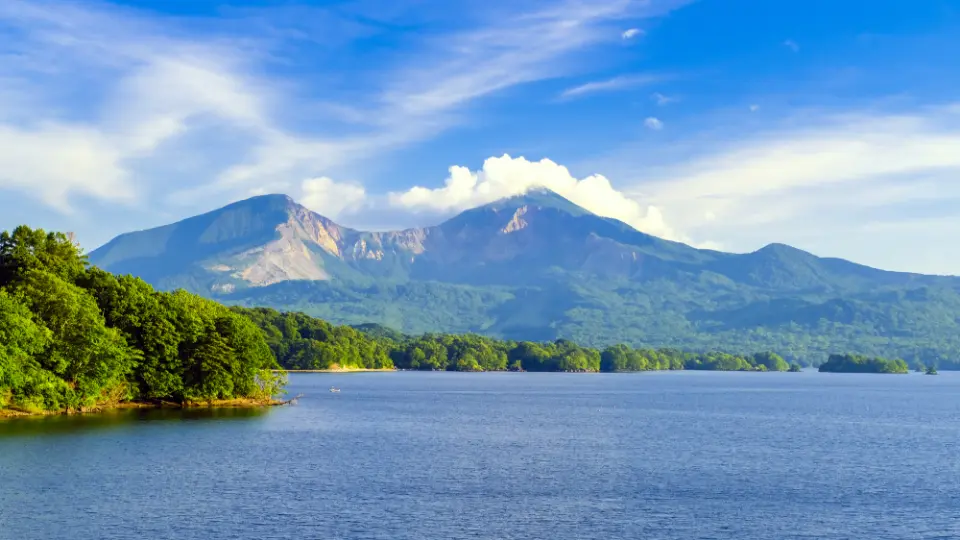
{"x":777,"y":246}
{"x":255,"y":223}
{"x":536,"y":197}
{"x":268,"y":201}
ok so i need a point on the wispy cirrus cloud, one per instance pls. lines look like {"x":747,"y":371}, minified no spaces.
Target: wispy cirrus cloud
{"x":611,"y":85}
{"x":512,"y":50}
{"x":108,"y":90}
{"x":120,"y":98}
{"x":850,"y":172}
{"x":865,"y":185}
{"x":662,"y":100}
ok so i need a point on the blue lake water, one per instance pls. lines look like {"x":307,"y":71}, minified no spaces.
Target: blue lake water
{"x":679,"y":455}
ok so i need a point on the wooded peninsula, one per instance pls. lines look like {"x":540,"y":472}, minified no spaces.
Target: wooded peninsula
{"x":75,"y":338}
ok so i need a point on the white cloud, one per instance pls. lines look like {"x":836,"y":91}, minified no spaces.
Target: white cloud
{"x":157,"y":99}
{"x":815,"y":186}
{"x":512,"y":49}
{"x":610,"y":85}
{"x":506,"y":176}
{"x":754,"y":108}
{"x":53,"y":161}
{"x":845,"y":149}
{"x":869,"y":187}
{"x":114,"y":90}
{"x":792,"y":45}
{"x":662,"y":100}
{"x":632,"y":33}
{"x":106,"y":93}
{"x":653,"y":123}
{"x":329,"y":198}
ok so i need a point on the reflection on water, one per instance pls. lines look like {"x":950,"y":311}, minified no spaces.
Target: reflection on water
{"x":114,"y":419}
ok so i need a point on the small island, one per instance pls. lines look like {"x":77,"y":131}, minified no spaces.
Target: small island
{"x":852,"y":363}
{"x":931,"y":370}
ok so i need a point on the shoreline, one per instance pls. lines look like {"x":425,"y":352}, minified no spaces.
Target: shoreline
{"x":335,"y":370}
{"x":239,"y":403}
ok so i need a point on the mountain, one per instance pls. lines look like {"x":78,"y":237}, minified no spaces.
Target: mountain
{"x":536,"y":266}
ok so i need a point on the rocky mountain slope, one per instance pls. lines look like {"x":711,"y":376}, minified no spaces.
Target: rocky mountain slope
{"x":536,"y":266}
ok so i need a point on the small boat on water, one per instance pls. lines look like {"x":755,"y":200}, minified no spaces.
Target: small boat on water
{"x":334,"y":389}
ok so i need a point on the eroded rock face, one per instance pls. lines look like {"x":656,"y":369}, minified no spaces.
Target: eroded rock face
{"x":516,"y":222}
{"x":297,"y":253}
{"x":292,"y":256}
{"x":314,"y":228}
{"x":285,"y":259}
{"x":271,"y":239}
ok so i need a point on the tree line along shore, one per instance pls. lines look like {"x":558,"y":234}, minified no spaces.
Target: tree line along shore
{"x":74,"y":338}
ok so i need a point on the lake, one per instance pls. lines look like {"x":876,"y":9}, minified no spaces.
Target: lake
{"x":676,"y":455}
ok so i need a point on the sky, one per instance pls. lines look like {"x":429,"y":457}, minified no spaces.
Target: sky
{"x":829,"y":125}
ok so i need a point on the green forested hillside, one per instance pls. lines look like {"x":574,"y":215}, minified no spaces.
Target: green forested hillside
{"x":919,"y":325}
{"x":75,"y":338}
{"x":303,"y":342}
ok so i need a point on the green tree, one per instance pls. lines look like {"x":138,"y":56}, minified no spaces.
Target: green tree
{"x":22,"y":381}
{"x":468,"y":363}
{"x":75,"y":338}
{"x":93,"y":359}
{"x":772,"y":361}
{"x":25,"y":250}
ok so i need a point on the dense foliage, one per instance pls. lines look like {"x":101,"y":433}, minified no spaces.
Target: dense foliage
{"x":477,"y":353}
{"x":920,"y":325}
{"x":303,"y":342}
{"x":73,"y":337}
{"x":851,"y":363}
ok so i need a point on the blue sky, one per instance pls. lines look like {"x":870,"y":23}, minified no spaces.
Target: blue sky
{"x":833,"y":125}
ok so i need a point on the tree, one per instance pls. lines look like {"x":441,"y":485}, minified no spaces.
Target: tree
{"x":28,"y":249}
{"x":616,"y":358}
{"x":93,"y":359}
{"x":144,"y":317}
{"x":210,"y":361}
{"x":772,"y":361}
{"x":468,"y":363}
{"x":21,"y":339}
{"x":75,"y":338}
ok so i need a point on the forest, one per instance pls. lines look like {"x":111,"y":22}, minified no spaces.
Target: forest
{"x":74,"y":338}
{"x":852,"y":363}
{"x":918,"y":326}
{"x":301,"y":342}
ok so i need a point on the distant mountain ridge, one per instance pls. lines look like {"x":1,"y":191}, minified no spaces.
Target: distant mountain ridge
{"x":568,"y":272}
